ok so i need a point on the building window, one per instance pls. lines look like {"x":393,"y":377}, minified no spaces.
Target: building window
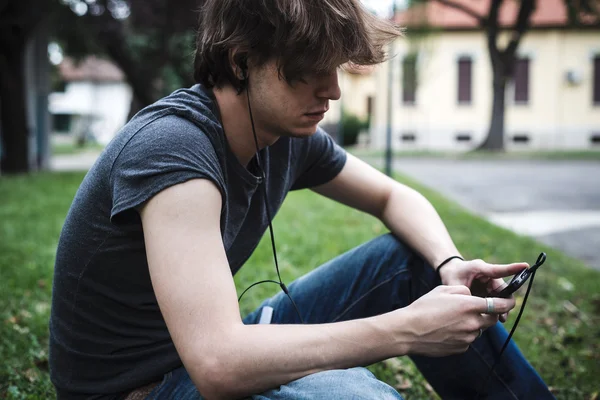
{"x":522,"y":80}
{"x":521,"y":138}
{"x":408,"y":137}
{"x":370,"y":101}
{"x":597,"y":80}
{"x":409,"y":79}
{"x":62,"y":123}
{"x":463,"y":137}
{"x":465,"y":65}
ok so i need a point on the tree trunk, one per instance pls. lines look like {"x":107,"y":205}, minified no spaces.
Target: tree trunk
{"x":13,"y":113}
{"x":495,"y":137}
{"x":135,"y":107}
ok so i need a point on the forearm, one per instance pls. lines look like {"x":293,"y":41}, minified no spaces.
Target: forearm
{"x":255,"y":358}
{"x":411,"y":217}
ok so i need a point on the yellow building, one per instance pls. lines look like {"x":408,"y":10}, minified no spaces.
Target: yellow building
{"x":358,"y":86}
{"x":442,"y":82}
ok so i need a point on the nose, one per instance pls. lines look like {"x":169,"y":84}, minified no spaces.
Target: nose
{"x":328,"y":87}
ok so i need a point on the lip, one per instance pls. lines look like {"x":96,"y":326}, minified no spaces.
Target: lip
{"x":317,"y":111}
{"x":315,"y":116}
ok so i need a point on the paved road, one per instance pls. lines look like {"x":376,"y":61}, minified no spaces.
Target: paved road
{"x":557,"y":202}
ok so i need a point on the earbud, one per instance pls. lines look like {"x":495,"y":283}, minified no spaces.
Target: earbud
{"x":241,"y":61}
{"x":244,"y":68}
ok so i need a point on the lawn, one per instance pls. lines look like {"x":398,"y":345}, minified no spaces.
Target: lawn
{"x":555,"y":155}
{"x":71,"y":149}
{"x":559,"y":331}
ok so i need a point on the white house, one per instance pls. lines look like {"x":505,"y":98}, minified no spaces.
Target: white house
{"x":95,"y":101}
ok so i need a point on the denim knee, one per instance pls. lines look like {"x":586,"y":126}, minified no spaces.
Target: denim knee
{"x":390,"y":248}
{"x":354,"y":383}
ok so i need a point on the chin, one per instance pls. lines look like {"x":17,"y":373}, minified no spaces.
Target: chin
{"x":303,"y":132}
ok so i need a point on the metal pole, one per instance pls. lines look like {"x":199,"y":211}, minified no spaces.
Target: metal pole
{"x":388,"y":141}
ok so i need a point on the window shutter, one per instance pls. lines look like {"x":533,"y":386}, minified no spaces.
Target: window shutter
{"x":464,"y":80}
{"x":522,"y":80}
{"x":409,"y":79}
{"x":597,"y":80}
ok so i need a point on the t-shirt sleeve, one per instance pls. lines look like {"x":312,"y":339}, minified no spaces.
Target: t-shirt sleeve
{"x":168,"y":151}
{"x":320,"y":160}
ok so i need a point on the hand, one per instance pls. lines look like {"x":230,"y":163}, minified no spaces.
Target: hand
{"x":482,"y":278}
{"x":448,"y":319}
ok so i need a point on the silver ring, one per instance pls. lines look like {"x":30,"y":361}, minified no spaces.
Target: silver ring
{"x":490,"y":305}
{"x":480,"y":333}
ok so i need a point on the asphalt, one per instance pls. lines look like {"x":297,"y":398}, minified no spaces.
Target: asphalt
{"x":555,"y":202}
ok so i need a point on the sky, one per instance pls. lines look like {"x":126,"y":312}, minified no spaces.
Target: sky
{"x":383,"y":7}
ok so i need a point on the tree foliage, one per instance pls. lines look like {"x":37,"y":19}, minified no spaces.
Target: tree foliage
{"x":152,"y":41}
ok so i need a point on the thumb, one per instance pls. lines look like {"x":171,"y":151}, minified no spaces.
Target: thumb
{"x":502,"y":270}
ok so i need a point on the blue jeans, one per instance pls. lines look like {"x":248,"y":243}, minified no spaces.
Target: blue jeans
{"x":374,"y":278}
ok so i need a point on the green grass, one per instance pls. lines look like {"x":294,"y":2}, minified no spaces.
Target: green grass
{"x":557,"y":155}
{"x":61,"y":149}
{"x":559,"y":332}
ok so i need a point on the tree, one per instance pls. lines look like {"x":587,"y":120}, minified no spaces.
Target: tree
{"x":502,"y":59}
{"x":152,"y":41}
{"x":18,"y":21}
{"x":579,"y":10}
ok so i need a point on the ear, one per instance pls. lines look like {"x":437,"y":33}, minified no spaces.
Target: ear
{"x":239,"y":63}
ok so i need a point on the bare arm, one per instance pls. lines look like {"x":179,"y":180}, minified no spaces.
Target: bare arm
{"x":227,"y":359}
{"x":411,"y":217}
{"x":406,"y":212}
{"x":197,"y":296}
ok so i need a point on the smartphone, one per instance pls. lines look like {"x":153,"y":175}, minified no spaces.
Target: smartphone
{"x":519,"y":279}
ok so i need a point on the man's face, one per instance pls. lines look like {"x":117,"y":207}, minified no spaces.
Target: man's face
{"x":280,"y":109}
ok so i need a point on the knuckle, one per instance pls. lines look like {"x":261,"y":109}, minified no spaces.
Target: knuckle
{"x":491,"y":321}
{"x":506,"y":305}
{"x":464,"y":290}
{"x":466,"y":339}
{"x":472,"y":325}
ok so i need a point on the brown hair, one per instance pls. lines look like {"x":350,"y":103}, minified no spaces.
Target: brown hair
{"x":304,"y":36}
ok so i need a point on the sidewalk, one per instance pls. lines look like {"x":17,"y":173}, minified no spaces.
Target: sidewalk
{"x":74,"y":162}
{"x":555,"y":202}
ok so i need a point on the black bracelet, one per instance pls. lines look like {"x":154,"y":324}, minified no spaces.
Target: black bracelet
{"x":446,"y":261}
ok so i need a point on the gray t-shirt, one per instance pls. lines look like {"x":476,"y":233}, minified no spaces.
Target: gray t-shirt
{"x":107,"y":334}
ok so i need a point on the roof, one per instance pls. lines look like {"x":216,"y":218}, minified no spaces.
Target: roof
{"x":91,"y":68}
{"x":548,"y":14}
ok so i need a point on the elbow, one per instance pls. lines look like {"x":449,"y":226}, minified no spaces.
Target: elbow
{"x":215,"y":378}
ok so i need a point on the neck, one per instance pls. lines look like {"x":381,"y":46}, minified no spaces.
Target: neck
{"x":235,"y":117}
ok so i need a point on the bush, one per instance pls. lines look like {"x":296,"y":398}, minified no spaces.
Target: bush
{"x":351,"y":127}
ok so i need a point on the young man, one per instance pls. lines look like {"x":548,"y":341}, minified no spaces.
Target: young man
{"x":144,"y":303}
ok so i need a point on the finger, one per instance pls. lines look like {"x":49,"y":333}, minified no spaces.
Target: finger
{"x":502,"y":270}
{"x":500,"y":305}
{"x":488,"y":320}
{"x":503,"y":317}
{"x":496,"y":285}
{"x":458,"y":289}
